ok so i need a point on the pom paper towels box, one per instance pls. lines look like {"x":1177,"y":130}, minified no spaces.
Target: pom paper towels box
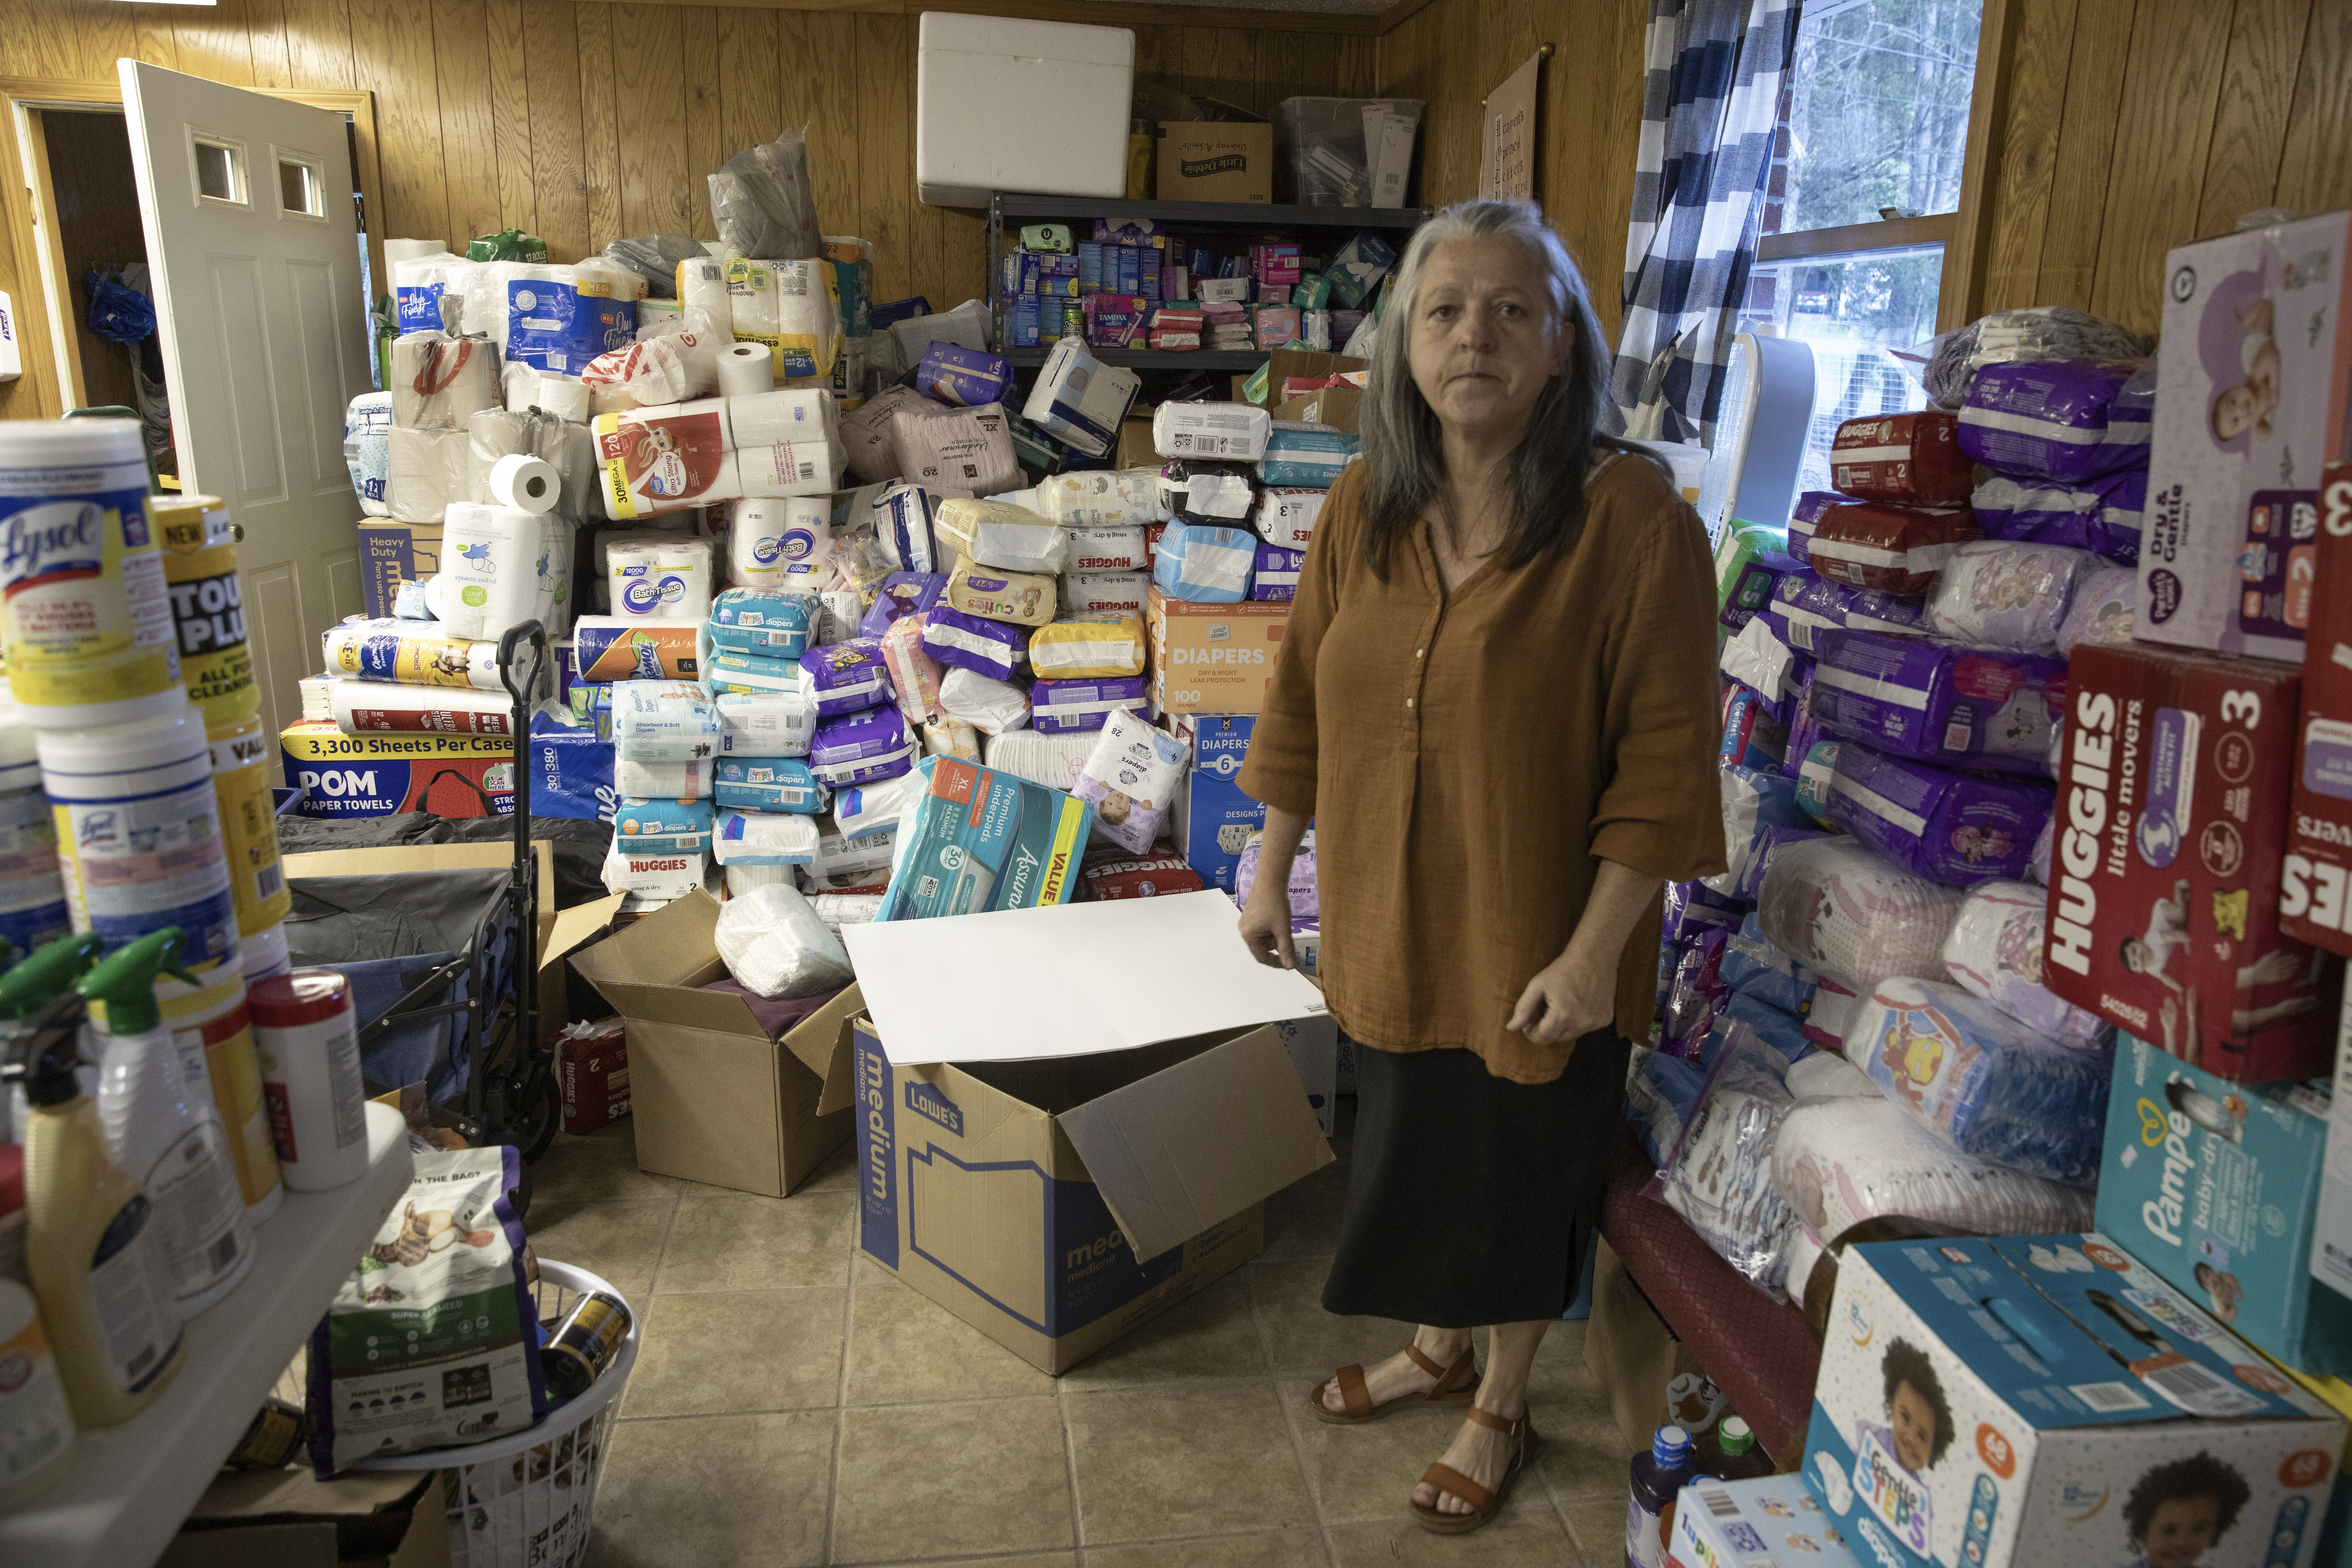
{"x":381,"y":775}
{"x":2251,"y":401}
{"x":2045,"y":1401}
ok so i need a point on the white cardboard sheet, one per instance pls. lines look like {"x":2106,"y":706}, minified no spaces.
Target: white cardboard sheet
{"x":1067,"y":981}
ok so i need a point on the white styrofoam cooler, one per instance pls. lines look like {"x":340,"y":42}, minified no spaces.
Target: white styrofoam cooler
{"x":1007,"y":105}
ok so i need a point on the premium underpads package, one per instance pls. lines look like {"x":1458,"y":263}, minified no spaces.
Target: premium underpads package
{"x":864,"y":747}
{"x":645,"y":824}
{"x":1079,"y":705}
{"x":1720,"y":1175}
{"x":980,"y":839}
{"x":1131,"y":776}
{"x":2104,"y":515}
{"x":989,"y":705}
{"x":1953,"y":827}
{"x":988,"y":647}
{"x":1906,"y":457}
{"x":1204,"y":564}
{"x":1999,"y":593}
{"x":1938,"y":702}
{"x":844,"y":677}
{"x":1102,"y":647}
{"x":996,"y":533}
{"x":764,"y":723}
{"x":2068,"y":420}
{"x":902,"y":595}
{"x":1024,"y":598}
{"x":1856,"y":915}
{"x":766,"y":621}
{"x":1982,"y":1080}
{"x":663,"y":722}
{"x":438,"y":1303}
{"x":1874,"y":545}
{"x":768,"y":784}
{"x":2101,"y":615}
{"x":1805,"y":517}
{"x":1995,"y":951}
{"x":763,"y":839}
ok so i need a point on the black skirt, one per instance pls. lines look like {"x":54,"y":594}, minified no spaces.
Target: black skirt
{"x":1471,"y":1199}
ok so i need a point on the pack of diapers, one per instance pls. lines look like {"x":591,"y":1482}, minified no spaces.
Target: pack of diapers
{"x":1053,"y":759}
{"x":1938,"y":702}
{"x":1769,"y":842}
{"x":643,"y":824}
{"x":1876,"y":610}
{"x":845,"y":861}
{"x":866,"y":432}
{"x":1912,"y":459}
{"x":915,"y":675}
{"x":2101,"y":615}
{"x":944,"y":735}
{"x":1995,"y":951}
{"x":1000,"y":534}
{"x":662,"y":721}
{"x":1104,"y":645}
{"x":1276,"y":575}
{"x":768,"y":784}
{"x":844,"y":677}
{"x":1306,"y":899}
{"x":1955,"y":827}
{"x":975,"y":643}
{"x":1754,"y":579}
{"x":1753,"y":800}
{"x":1752,"y":738}
{"x":1803,"y":605}
{"x":763,"y":839}
{"x":1131,"y":776}
{"x":1815,"y":776}
{"x":1719,"y":1177}
{"x":2068,"y":420}
{"x":1997,"y":593}
{"x":903,"y":516}
{"x":1205,"y":564}
{"x":989,"y":705}
{"x":1755,"y":967}
{"x":864,"y":747}
{"x":1286,"y":516}
{"x":775,"y":945}
{"x":656,"y":876}
{"x":1087,"y":593}
{"x":1303,"y":453}
{"x":1109,"y":547}
{"x":1233,"y":432}
{"x":1024,"y":598}
{"x":1874,"y":544}
{"x":1985,"y":1083}
{"x":1805,"y":516}
{"x":664,"y":781}
{"x":978,"y":839}
{"x":766,"y":724}
{"x":2104,"y":515}
{"x":1201,"y":492}
{"x":766,"y":621}
{"x":875,"y":807}
{"x":902,"y":594}
{"x":1849,"y":912}
{"x":1100,"y":497}
{"x":963,"y":451}
{"x":1072,"y":706}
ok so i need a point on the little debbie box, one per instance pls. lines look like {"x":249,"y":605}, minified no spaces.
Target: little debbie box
{"x":2046,"y":1402}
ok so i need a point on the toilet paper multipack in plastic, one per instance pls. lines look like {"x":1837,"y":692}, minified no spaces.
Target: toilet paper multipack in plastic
{"x":2317,"y":900}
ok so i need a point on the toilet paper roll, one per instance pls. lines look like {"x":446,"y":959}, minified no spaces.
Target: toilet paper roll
{"x":525,"y":484}
{"x":562,"y":395}
{"x":375,"y":707}
{"x":662,"y":581}
{"x":746,"y":369}
{"x":494,"y":570}
{"x":769,"y":534}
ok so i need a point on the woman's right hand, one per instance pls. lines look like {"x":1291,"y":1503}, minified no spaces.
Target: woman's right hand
{"x":1265,"y":921}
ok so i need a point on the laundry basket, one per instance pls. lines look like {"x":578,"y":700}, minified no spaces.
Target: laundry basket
{"x":525,"y":1502}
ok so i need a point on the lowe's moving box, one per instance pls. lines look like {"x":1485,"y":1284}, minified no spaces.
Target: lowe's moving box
{"x":715,"y":1097}
{"x":1057,"y":1176}
{"x":2045,"y":1401}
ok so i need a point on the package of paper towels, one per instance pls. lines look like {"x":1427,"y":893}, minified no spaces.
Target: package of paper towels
{"x":497,"y":570}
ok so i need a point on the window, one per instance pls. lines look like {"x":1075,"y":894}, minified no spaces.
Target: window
{"x":219,"y":165}
{"x":302,"y":187}
{"x":1865,"y":195}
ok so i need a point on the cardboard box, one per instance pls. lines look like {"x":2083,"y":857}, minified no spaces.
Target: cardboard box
{"x":1135,"y":447}
{"x":1212,"y":659}
{"x":2215,"y":1188}
{"x":1215,"y":160}
{"x":1211,"y":819}
{"x":2252,"y":398}
{"x":392,"y":554}
{"x":2331,"y":1240}
{"x":2042,"y":1401}
{"x":1728,"y":1524}
{"x":346,"y":776}
{"x":2164,"y":902}
{"x":714,"y":1098}
{"x":2315,"y":901}
{"x":1314,"y":1048}
{"x":288,"y":1519}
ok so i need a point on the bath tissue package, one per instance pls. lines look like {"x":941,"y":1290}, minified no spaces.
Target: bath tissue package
{"x":425,"y":472}
{"x":440,"y":380}
{"x":766,"y":534}
{"x":669,"y":579}
{"x":792,"y":307}
{"x":660,"y":459}
{"x":365,"y":426}
{"x":418,"y":283}
{"x":495,"y":571}
{"x":556,"y":318}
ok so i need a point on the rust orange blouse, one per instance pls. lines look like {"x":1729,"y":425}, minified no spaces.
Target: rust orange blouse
{"x":1468,"y":756}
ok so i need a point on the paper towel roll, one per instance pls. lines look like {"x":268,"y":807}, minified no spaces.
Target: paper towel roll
{"x":492,"y":565}
{"x":563,"y":397}
{"x":440,"y":382}
{"x":770,"y":417}
{"x":746,"y":369}
{"x":375,"y":707}
{"x":767,"y":535}
{"x":525,"y":483}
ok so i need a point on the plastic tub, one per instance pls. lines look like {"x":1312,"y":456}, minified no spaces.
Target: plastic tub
{"x":1345,"y":152}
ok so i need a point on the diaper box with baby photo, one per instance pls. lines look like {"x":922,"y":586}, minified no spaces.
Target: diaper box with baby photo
{"x":2046,"y":1402}
{"x":1736,"y":1524}
{"x":2251,"y":401}
{"x":1211,"y":819}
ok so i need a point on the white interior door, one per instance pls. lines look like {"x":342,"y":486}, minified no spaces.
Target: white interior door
{"x":254,"y":251}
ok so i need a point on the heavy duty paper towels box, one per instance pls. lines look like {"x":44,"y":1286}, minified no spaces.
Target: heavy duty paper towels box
{"x":1006,"y":105}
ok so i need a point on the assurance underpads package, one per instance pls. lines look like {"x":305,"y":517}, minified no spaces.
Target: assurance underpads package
{"x":844,"y":677}
{"x":1952,"y":826}
{"x":1997,"y":593}
{"x":765,"y":621}
{"x":1025,"y":598}
{"x":2068,"y":420}
{"x":1103,"y":647}
{"x":763,"y":839}
{"x":775,"y":945}
{"x":2102,"y":613}
{"x":663,"y":722}
{"x":437,"y":1303}
{"x":1205,"y":564}
{"x":1720,"y":1175}
{"x":1995,"y":951}
{"x":980,"y":839}
{"x":975,"y":643}
{"x":902,"y":594}
{"x":1841,"y":907}
{"x":1906,"y":457}
{"x":990,"y":706}
{"x":2104,"y":515}
{"x":768,"y":784}
{"x":964,"y":451}
{"x":1938,"y":702}
{"x":1100,"y":497}
{"x":1874,"y":545}
{"x":1058,"y":706}
{"x":1753,"y":800}
{"x":648,"y":824}
{"x":996,"y":533}
{"x":1984,"y":1081}
{"x":864,"y":747}
{"x":1131,"y":776}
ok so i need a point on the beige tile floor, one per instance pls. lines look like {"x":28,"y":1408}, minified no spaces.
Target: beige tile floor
{"x":793,"y":1405}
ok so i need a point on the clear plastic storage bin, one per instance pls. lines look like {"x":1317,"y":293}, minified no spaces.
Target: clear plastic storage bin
{"x":1345,"y":152}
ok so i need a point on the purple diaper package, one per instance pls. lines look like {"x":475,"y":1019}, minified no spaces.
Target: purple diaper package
{"x":954,"y":374}
{"x":1759,"y":860}
{"x":1876,"y":610}
{"x":1062,"y":707}
{"x":1806,"y":515}
{"x":844,"y":677}
{"x":1803,"y":605}
{"x":975,"y":643}
{"x":901,"y":594}
{"x":1694,"y":906}
{"x":1276,"y":576}
{"x":1752,"y":591}
{"x":2068,"y":420}
{"x":1950,"y":827}
{"x":1804,"y":730}
{"x":862,"y":748}
{"x":2104,"y":515}
{"x":2105,"y":603}
{"x":1937,"y":701}
{"x":1995,"y":593}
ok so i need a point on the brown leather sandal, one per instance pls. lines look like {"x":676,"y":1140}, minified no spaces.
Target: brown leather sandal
{"x":1484,"y":1505}
{"x":1454,"y":1383}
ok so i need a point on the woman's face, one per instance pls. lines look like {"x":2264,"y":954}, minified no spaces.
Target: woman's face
{"x":1484,"y":340}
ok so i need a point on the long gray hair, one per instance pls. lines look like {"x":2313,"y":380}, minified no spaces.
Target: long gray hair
{"x":1404,"y":456}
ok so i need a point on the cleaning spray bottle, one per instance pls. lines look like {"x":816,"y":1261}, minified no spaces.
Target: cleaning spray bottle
{"x":99,"y":1272}
{"x":165,"y":1131}
{"x":28,"y":987}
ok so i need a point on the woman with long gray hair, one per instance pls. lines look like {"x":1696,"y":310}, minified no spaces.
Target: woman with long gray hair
{"x":1495,"y":701}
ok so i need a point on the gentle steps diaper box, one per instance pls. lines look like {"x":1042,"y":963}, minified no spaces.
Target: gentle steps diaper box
{"x":1741,"y":1524}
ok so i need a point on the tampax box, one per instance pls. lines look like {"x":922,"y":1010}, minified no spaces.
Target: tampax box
{"x":1732,"y":1525}
{"x":2045,"y":1401}
{"x":2254,"y":377}
{"x":1215,"y":160}
{"x":392,"y":554}
{"x":1211,"y":819}
{"x":1212,"y":659}
{"x":2315,"y":903}
{"x":2214,"y":1186}
{"x":379,"y":776}
{"x":2165,"y":874}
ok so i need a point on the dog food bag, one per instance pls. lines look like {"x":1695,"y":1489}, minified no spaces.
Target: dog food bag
{"x":1968,"y":707}
{"x":2067,"y":420}
{"x":902,"y":595}
{"x":1907,"y":458}
{"x":1955,"y":828}
{"x":769,"y":784}
{"x":1024,"y":598}
{"x":1872,"y":545}
{"x":1131,"y":776}
{"x":1070,"y":705}
{"x":1856,"y":915}
{"x":864,"y":747}
{"x":1806,"y":516}
{"x":1995,"y":951}
{"x":432,"y":1341}
{"x":1103,"y":647}
{"x":844,"y":677}
{"x":1995,"y":593}
{"x":998,"y":533}
{"x":2104,"y":514}
{"x":990,"y":706}
{"x":975,"y":643}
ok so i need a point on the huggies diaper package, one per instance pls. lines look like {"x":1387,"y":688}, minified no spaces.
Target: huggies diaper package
{"x":1906,"y":457}
{"x":1108,"y":645}
{"x":1286,"y":516}
{"x":2317,"y":903}
{"x":1084,"y":593}
{"x":1874,"y":545}
{"x":1978,"y":707}
{"x":978,"y":839}
{"x":768,"y":784}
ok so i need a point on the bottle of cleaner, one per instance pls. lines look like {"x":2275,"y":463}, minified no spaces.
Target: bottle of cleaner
{"x":100,"y":1271}
{"x":36,"y":1428}
{"x":166,"y":1131}
{"x":1730,"y":1452}
{"x":1658,"y":1475}
{"x":29,"y":986}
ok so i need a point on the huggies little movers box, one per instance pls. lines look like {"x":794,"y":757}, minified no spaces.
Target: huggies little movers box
{"x":2046,"y":1402}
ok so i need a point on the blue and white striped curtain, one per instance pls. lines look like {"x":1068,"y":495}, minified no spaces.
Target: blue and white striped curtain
{"x":1710,"y":102}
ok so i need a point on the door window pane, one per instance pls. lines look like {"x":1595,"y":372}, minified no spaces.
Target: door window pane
{"x":299,"y":189}
{"x":220,"y":171}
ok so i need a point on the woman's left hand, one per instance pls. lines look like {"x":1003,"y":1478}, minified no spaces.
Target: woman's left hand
{"x":1564,"y":1003}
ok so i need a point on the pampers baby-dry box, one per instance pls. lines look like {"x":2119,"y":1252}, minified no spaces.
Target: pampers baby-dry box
{"x":2045,"y":1401}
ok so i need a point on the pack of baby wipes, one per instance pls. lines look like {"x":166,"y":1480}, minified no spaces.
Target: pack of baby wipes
{"x":663,"y":722}
{"x":1234,"y":432}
